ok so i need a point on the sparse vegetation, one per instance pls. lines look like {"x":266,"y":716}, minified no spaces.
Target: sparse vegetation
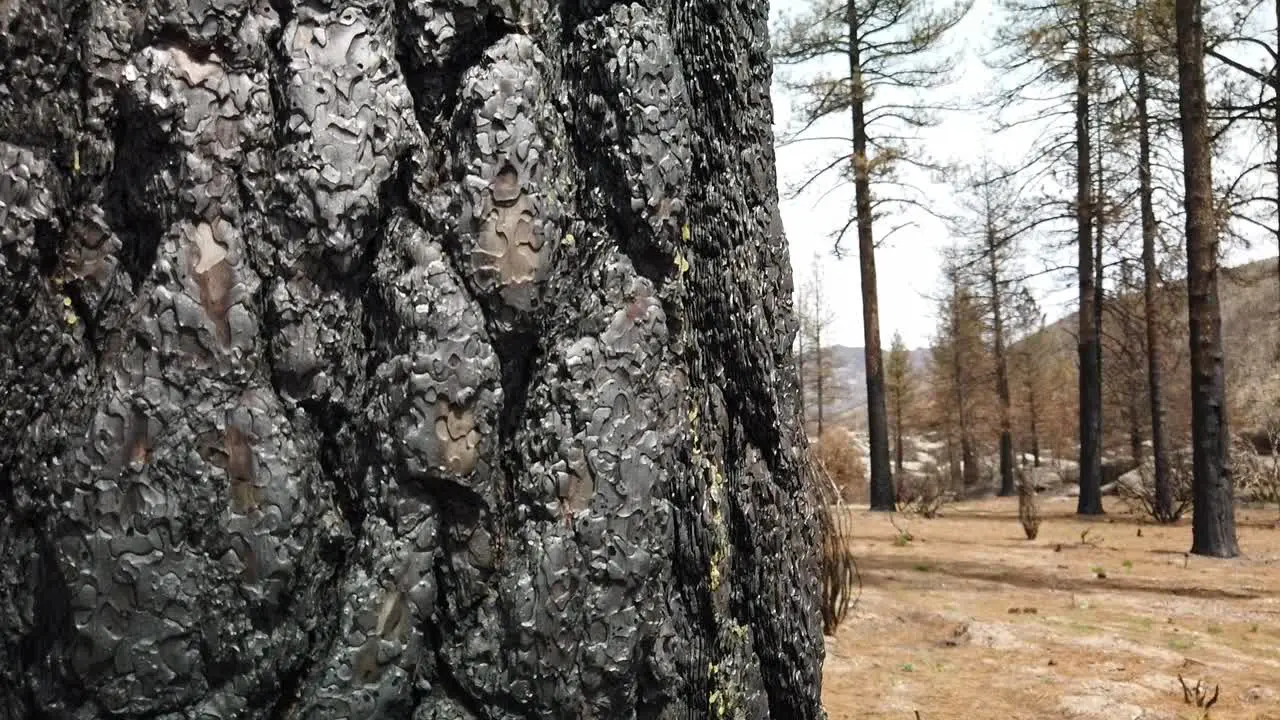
{"x":1140,"y":492}
{"x":1258,"y":475}
{"x":967,"y":593}
{"x":921,"y":494}
{"x":843,"y":463}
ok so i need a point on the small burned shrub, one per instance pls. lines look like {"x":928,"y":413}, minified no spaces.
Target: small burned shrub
{"x":1028,"y":505}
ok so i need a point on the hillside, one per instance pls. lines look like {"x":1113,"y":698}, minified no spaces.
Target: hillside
{"x":1250,"y":304}
{"x":1251,"y":334}
{"x":850,"y":369}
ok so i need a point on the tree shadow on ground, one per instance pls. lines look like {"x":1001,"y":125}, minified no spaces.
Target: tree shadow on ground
{"x":882,"y":571}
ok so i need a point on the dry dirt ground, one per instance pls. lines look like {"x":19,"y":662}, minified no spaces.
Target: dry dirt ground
{"x":971,"y":620}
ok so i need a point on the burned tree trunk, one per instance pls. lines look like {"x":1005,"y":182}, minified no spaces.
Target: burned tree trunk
{"x":1090,"y":500}
{"x":1007,"y":487}
{"x":1213,"y":521}
{"x":397,"y":359}
{"x":882,"y":488}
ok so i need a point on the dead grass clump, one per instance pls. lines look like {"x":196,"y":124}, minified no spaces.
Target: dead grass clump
{"x":1028,"y":506}
{"x":922,"y":494}
{"x":840,"y":579}
{"x":1141,"y":496}
{"x":1257,"y":475}
{"x":843,"y":463}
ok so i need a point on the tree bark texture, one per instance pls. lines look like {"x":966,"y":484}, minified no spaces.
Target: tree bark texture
{"x":1213,"y":526}
{"x":882,"y":490}
{"x":1090,"y":500}
{"x":397,"y":359}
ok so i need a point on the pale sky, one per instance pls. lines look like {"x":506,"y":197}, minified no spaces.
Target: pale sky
{"x":908,"y":265}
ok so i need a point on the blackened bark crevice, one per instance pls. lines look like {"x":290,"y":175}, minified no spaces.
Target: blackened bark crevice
{"x":87,"y":317}
{"x":518,"y":354}
{"x":136,"y":205}
{"x":436,"y":91}
{"x":752,"y":602}
{"x":278,"y":73}
{"x":689,"y":561}
{"x":443,"y":671}
{"x":287,"y":695}
{"x":169,"y":35}
{"x":48,"y":237}
{"x":52,"y":626}
{"x":604,"y":197}
{"x":284,"y":697}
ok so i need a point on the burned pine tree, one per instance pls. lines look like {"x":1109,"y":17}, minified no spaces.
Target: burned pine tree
{"x":397,"y":359}
{"x":991,"y":220}
{"x":1045,"y":53}
{"x":958,"y":362}
{"x":1213,"y":520}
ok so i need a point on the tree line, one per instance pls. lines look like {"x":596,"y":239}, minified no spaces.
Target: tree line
{"x":1137,"y":167}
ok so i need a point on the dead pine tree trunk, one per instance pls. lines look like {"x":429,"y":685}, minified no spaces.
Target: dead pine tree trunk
{"x":1099,"y":202}
{"x":959,"y":381}
{"x":1213,"y":521}
{"x":882,"y":490}
{"x":1007,"y":488}
{"x":954,"y":474}
{"x":1163,"y":501}
{"x":1090,"y":379}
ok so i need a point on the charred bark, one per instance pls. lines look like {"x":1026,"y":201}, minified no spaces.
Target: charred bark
{"x":1090,"y":378}
{"x":397,"y":359}
{"x":1213,"y":522}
